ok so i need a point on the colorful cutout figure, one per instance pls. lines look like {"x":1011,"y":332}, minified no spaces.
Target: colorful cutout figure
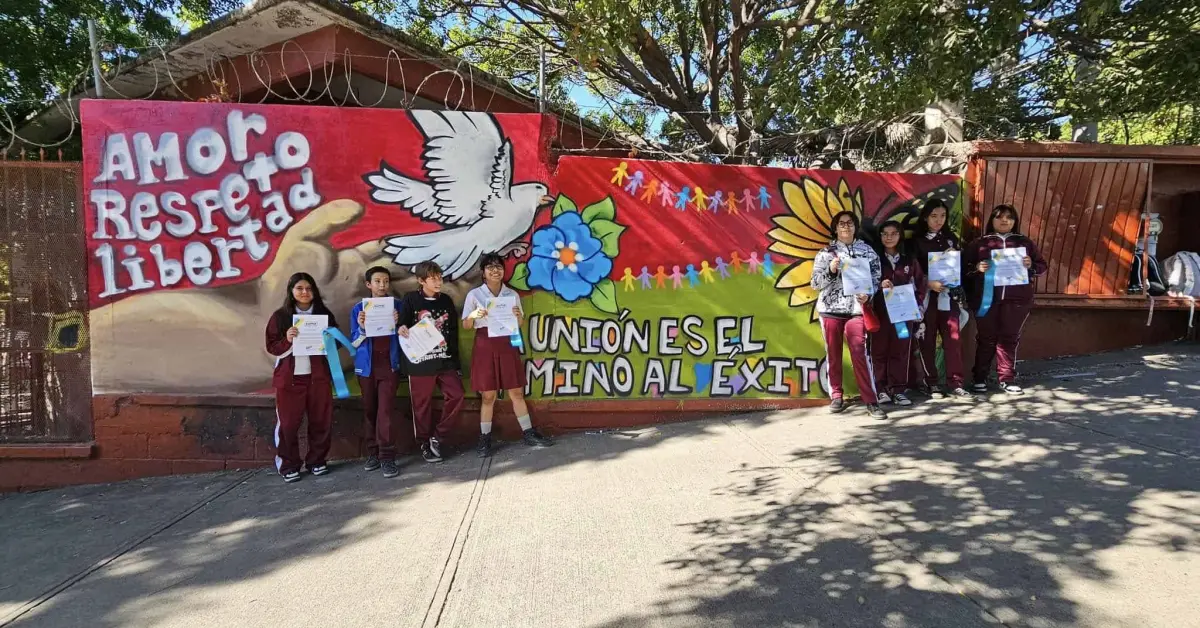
{"x":645,"y":277}
{"x":666,"y":195}
{"x":764,"y":198}
{"x":731,"y":203}
{"x":722,"y":268}
{"x":649,"y":191}
{"x":660,"y":277}
{"x":747,"y":200}
{"x":736,"y":260}
{"x":768,"y":267}
{"x":676,"y":278}
{"x":628,"y":279}
{"x":714,"y":201}
{"x":753,"y":263}
{"x":620,"y":174}
{"x":699,"y":198}
{"x":692,"y":275}
{"x":635,"y":182}
{"x":706,"y":273}
{"x":681,"y":201}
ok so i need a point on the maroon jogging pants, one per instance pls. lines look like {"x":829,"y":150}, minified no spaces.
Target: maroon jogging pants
{"x":420,"y":390}
{"x":890,"y":357}
{"x":998,"y":334}
{"x":292,"y":403}
{"x":944,"y":324}
{"x":855,"y":334}
{"x":379,"y":403}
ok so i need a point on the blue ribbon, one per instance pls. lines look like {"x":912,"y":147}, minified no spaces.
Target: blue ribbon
{"x":515,"y":340}
{"x":989,"y":286}
{"x":902,"y":330}
{"x":333,"y":336}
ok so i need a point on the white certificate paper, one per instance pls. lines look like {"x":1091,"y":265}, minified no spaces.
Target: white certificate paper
{"x":946,"y":267}
{"x":311,"y":340}
{"x":422,"y":339}
{"x":500,"y":318}
{"x":901,"y":302}
{"x":1010,"y":267}
{"x":856,"y":276}
{"x":381,"y":319}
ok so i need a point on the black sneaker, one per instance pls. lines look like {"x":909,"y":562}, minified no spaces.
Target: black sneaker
{"x":963,"y":393}
{"x":875,"y":412}
{"x":428,"y":455}
{"x":291,"y":476}
{"x":534,"y":439}
{"x":979,"y":387}
{"x":319,"y":469}
{"x":936,"y":392}
{"x":390,"y":469}
{"x":371,"y":464}
{"x":435,"y":446}
{"x":484,"y":448}
{"x":836,"y":405}
{"x":901,"y":399}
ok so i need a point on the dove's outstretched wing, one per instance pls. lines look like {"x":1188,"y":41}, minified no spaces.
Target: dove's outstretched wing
{"x":391,"y":187}
{"x":468,"y":160}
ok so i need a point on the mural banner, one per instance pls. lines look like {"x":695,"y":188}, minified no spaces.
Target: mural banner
{"x":708,"y":294}
{"x":639,"y":279}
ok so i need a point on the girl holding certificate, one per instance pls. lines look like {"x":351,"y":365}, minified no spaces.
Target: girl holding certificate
{"x":942,"y":312}
{"x":496,"y":362}
{"x":890,"y":354}
{"x":1000,"y":313}
{"x":846,"y":274}
{"x":303,"y":384}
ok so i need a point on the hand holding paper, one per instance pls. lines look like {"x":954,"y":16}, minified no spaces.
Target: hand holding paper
{"x":856,"y":277}
{"x":901,"y":302}
{"x":502,"y":317}
{"x":946,"y":267}
{"x":311,"y":338}
{"x":1010,"y":267}
{"x":420,"y":340}
{"x":379,"y":316}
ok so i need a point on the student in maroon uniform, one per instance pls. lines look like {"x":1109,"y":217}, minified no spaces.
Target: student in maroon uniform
{"x":942,"y":311}
{"x":302,"y":383}
{"x":998,"y":332}
{"x":495,"y":363}
{"x":841,"y":315}
{"x":438,"y":368}
{"x":375,"y":362}
{"x":890,"y":354}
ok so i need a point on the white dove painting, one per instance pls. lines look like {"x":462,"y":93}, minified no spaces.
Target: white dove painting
{"x":468,"y":191}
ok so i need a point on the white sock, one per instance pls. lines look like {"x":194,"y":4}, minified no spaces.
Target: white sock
{"x":485,"y":428}
{"x":526,"y":424}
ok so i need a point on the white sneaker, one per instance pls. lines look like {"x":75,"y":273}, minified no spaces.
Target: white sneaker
{"x":1011,"y":389}
{"x":884,"y":398}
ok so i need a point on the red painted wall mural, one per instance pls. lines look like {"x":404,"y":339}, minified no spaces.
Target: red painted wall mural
{"x":642,"y":279}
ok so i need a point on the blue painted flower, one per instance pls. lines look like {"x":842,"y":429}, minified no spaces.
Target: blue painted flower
{"x":567,"y":259}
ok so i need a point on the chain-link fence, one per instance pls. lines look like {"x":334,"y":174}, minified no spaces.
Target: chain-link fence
{"x":45,"y":370}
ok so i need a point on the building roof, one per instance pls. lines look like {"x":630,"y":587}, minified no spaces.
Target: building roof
{"x":262,"y":24}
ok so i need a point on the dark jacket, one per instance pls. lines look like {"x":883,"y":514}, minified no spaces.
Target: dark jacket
{"x":415,"y":306}
{"x":981,"y":249}
{"x":278,"y":344}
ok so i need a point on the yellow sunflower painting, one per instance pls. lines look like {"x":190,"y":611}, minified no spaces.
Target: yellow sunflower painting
{"x":805,"y":229}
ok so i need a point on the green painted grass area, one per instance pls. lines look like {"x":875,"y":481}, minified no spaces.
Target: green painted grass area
{"x":787,"y":332}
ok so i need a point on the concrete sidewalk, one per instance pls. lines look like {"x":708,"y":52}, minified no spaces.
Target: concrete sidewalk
{"x":1076,"y":505}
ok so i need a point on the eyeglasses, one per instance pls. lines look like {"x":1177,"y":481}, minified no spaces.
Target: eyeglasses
{"x":494,"y":267}
{"x":846,"y":223}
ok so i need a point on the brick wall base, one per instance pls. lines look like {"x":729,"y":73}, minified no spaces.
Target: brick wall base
{"x":147,"y":435}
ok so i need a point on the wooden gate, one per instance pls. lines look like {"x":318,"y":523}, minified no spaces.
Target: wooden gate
{"x":45,"y":370}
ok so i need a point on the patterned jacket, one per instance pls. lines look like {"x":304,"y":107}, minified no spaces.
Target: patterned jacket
{"x":831,"y":300}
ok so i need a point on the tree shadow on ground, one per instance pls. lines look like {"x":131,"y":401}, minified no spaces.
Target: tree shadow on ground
{"x":959,"y":516}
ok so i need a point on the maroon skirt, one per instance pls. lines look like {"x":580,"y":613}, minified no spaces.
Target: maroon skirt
{"x":495,"y":363}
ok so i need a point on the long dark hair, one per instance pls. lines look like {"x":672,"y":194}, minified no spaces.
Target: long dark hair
{"x":879,"y":248}
{"x":1004,"y":209}
{"x":922,"y":228}
{"x":283,"y":316}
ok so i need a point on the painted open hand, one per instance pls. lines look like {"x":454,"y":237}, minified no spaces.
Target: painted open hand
{"x":220,"y":330}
